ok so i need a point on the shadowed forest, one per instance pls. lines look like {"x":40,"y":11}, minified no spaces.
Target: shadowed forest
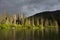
{"x":41,"y":26}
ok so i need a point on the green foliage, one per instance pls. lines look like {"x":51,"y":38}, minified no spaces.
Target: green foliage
{"x":3,"y":26}
{"x":10,"y":26}
{"x":9,"y":22}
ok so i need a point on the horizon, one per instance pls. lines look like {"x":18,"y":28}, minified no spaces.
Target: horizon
{"x":29,"y":19}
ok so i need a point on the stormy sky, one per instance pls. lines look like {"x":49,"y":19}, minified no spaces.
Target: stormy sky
{"x":30,"y":7}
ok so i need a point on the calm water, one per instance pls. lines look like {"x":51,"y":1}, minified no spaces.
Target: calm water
{"x":27,"y":34}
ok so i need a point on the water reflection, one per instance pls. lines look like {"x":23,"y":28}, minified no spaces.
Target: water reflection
{"x":28,"y":34}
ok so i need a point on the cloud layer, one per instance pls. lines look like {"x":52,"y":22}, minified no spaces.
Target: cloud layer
{"x":29,"y":6}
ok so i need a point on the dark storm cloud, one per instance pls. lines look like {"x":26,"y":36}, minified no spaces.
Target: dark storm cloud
{"x":29,"y":6}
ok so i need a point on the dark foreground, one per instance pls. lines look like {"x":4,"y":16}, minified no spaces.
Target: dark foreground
{"x":28,"y":34}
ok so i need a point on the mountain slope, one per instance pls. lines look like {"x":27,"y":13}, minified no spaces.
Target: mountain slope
{"x":47,"y":15}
